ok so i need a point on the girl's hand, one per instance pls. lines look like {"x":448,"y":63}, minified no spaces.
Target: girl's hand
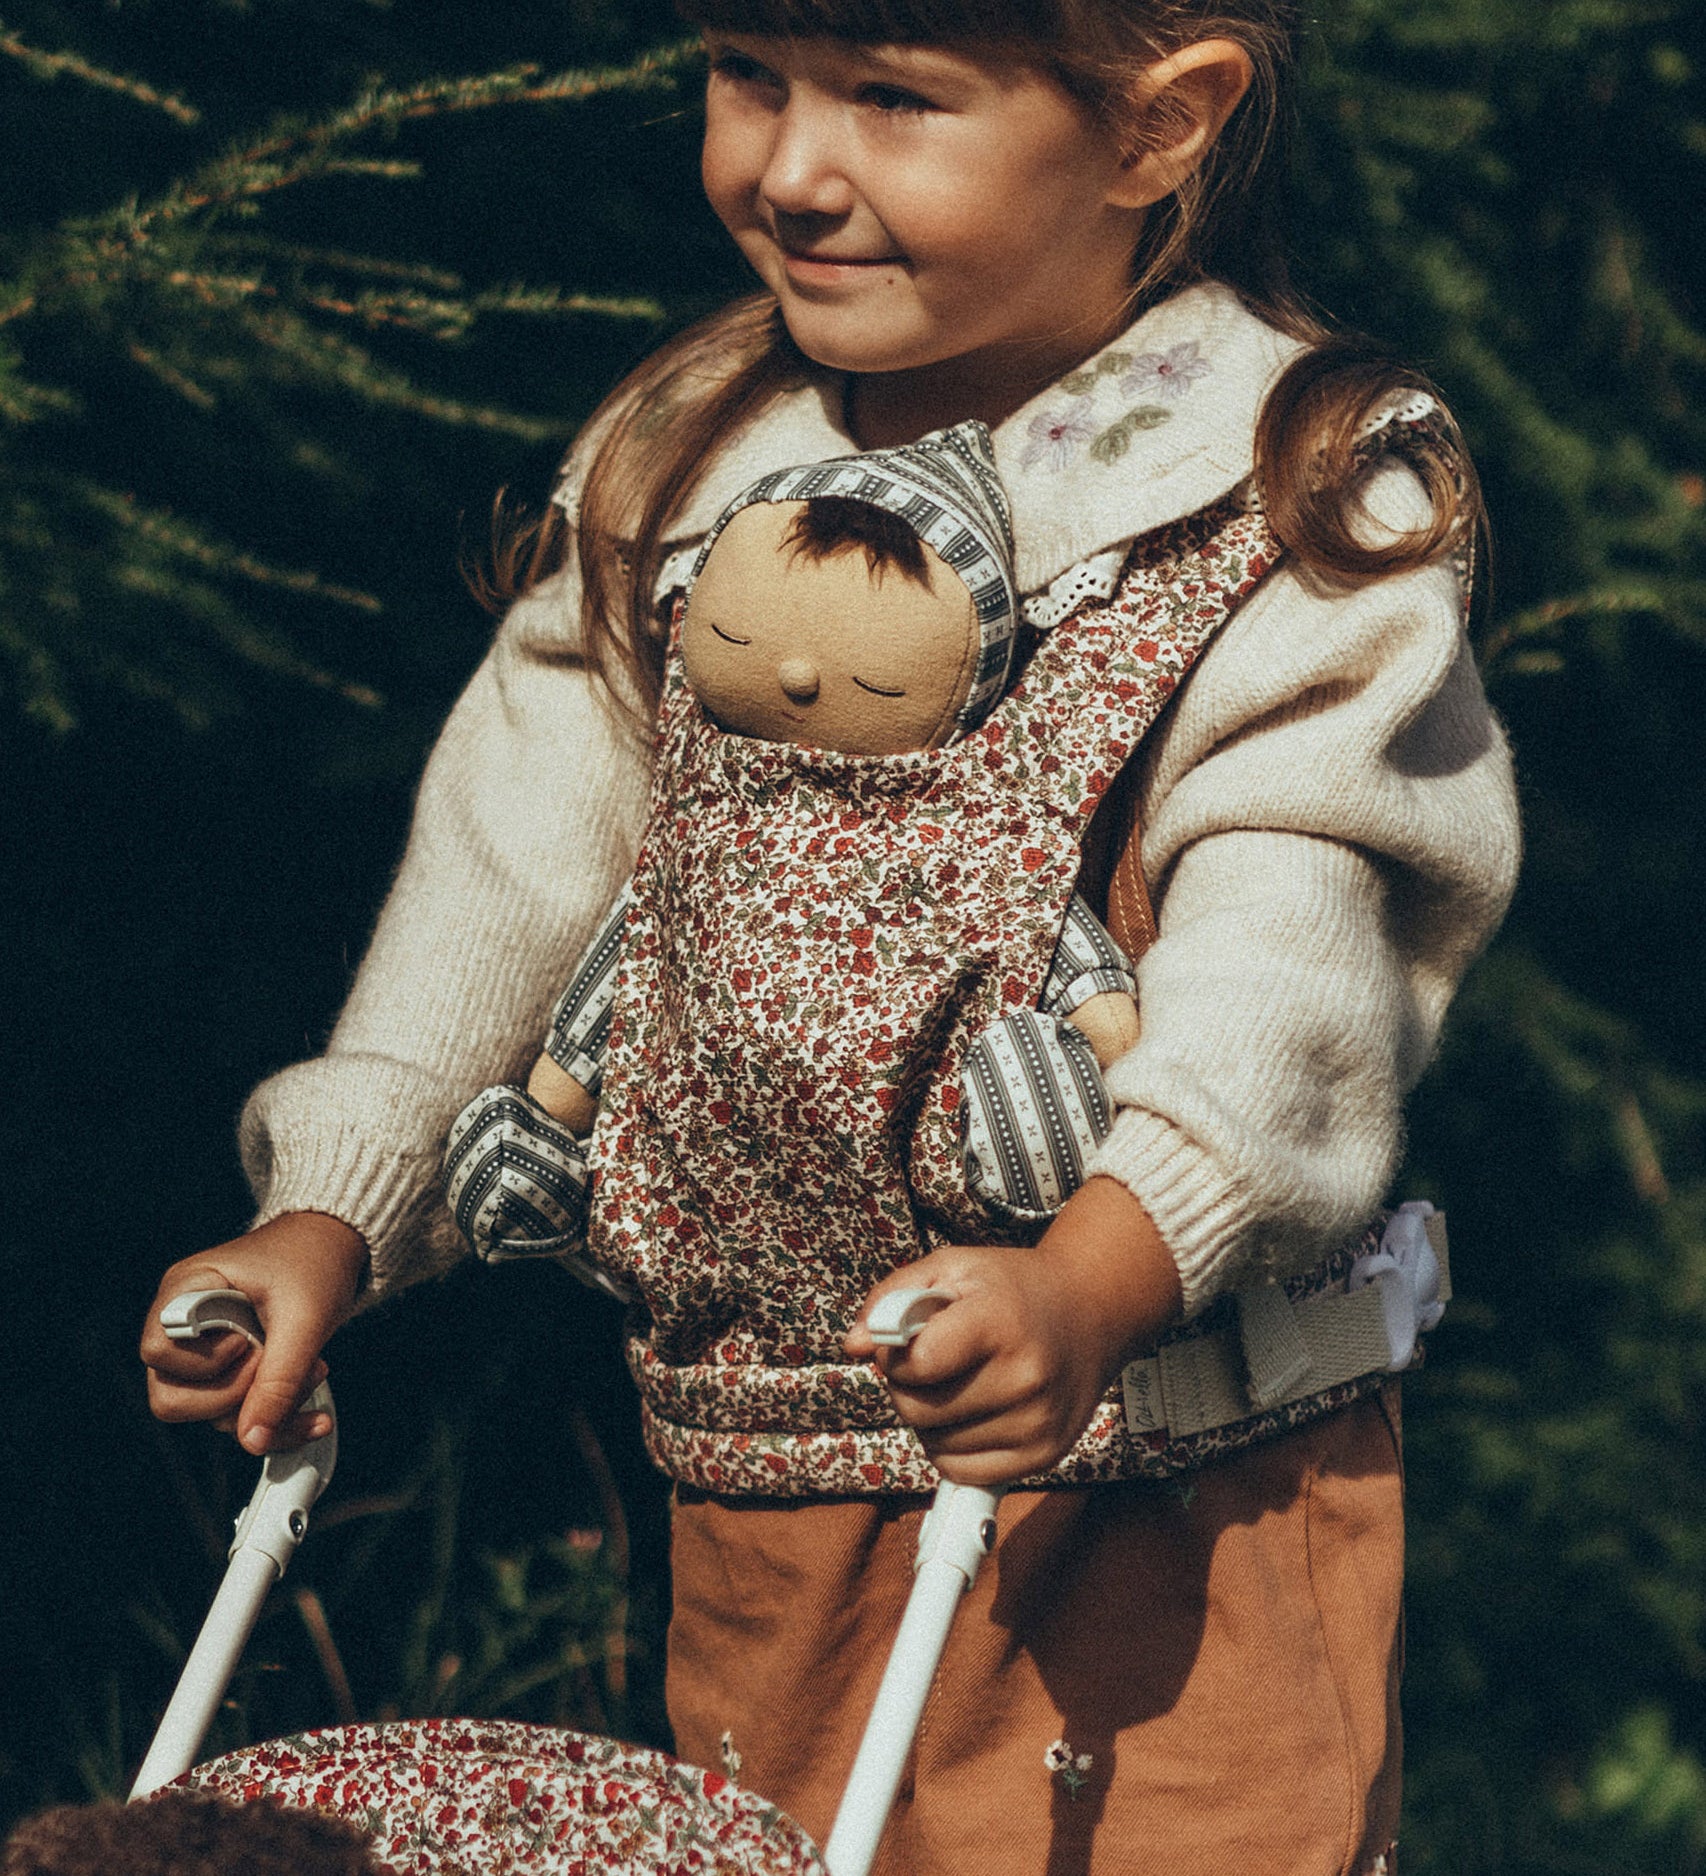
{"x":1001,"y":1382}
{"x":301,"y":1272}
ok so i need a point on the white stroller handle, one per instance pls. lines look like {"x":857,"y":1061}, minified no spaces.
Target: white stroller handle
{"x":896,"y":1318}
{"x":268,"y":1532}
{"x":958,"y":1533}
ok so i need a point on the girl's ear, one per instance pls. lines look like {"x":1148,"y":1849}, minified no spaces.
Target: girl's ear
{"x":1179,"y":106}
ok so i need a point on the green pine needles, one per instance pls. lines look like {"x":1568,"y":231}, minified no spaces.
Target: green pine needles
{"x":217,"y":328}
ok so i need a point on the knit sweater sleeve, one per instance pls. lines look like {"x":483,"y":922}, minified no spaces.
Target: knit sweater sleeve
{"x":1330,"y":836}
{"x":524,"y":830}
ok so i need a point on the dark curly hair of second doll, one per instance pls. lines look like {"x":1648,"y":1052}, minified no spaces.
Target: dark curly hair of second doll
{"x":181,"y":1834}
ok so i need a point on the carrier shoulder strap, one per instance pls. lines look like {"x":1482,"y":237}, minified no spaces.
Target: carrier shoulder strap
{"x":1112,"y":877}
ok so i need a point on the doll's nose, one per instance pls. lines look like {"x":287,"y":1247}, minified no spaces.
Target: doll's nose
{"x":799,"y":678}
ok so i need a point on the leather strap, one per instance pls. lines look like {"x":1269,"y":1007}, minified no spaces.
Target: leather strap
{"x":1113,"y":853}
{"x":1131,"y":917}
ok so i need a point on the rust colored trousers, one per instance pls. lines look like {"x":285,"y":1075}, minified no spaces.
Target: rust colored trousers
{"x":1224,"y":1651}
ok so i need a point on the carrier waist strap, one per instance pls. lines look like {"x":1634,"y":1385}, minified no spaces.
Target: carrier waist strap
{"x":1280,"y":1351}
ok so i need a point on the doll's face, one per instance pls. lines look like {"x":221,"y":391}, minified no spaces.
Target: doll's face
{"x":825,"y":653}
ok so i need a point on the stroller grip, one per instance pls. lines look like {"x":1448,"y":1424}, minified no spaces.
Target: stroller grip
{"x":268,"y":1531}
{"x":957,"y":1534}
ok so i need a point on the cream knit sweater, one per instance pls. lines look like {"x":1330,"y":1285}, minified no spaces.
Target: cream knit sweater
{"x":1330,"y":836}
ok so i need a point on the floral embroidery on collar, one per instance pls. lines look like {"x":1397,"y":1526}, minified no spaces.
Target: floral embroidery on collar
{"x":1080,"y":471}
{"x":1057,"y":435}
{"x":1169,"y":374}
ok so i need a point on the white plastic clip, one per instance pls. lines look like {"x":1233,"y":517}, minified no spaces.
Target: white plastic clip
{"x":958,"y":1532}
{"x":958,"y":1529}
{"x":1406,"y":1271}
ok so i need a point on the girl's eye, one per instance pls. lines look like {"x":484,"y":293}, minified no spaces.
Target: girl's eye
{"x":729,"y":637}
{"x":740,"y":68}
{"x":877,"y":690}
{"x":894,"y":100}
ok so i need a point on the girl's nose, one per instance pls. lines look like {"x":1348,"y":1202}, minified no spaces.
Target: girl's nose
{"x":799,"y":678}
{"x":802,"y":175}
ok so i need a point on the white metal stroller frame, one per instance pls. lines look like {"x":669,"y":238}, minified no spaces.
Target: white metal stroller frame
{"x":958,"y":1533}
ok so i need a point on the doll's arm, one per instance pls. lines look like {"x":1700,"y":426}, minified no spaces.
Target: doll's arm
{"x":516,"y":1173}
{"x":569,"y":1073}
{"x":1091,"y":985}
{"x":526,"y":826}
{"x":1033,"y":1104}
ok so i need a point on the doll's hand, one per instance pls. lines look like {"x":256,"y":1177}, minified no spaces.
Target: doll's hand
{"x":999,"y":1384}
{"x":561,"y":1096}
{"x":301,"y":1272}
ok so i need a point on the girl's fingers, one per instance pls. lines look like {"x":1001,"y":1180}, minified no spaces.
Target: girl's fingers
{"x":217,"y":1390}
{"x":988,"y":1394}
{"x":994,"y":1449}
{"x":207,"y":1355}
{"x":206,"y":1361}
{"x":952,"y":1346}
{"x":290,"y":1364}
{"x":927,"y":1274}
{"x":1000,"y":1467}
{"x":296,"y":1431}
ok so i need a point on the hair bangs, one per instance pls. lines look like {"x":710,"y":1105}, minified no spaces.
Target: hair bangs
{"x":1036,"y":23}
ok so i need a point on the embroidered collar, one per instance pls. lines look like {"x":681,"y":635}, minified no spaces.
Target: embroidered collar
{"x":1153,"y":427}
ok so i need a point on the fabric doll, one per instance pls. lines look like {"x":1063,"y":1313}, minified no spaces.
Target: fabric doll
{"x":821,"y":617}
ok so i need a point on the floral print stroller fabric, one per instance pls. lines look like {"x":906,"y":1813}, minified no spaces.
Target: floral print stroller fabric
{"x":497,"y":1798}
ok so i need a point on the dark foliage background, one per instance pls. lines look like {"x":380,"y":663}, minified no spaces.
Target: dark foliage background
{"x":285,"y":295}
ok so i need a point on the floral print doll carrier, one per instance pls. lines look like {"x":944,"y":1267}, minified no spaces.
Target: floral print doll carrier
{"x":815,"y":943}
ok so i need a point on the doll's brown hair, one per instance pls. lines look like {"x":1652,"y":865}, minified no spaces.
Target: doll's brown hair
{"x":838,"y":524}
{"x":181,"y":1833}
{"x":665,"y":421}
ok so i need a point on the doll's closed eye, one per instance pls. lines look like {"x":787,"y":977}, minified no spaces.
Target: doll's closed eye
{"x":878,"y":690}
{"x":729,"y":637}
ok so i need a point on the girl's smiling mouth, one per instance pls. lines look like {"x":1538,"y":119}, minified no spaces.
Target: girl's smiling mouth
{"x":805,"y":264}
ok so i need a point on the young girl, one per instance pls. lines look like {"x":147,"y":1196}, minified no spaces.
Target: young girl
{"x":1056,"y":219}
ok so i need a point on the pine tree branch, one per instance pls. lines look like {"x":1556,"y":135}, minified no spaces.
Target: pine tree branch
{"x":325,"y":359}
{"x":448,"y":319}
{"x":422,"y":312}
{"x":23,"y":402}
{"x":293,"y":153}
{"x":335,"y":260}
{"x":39,"y":678}
{"x":187,"y":543}
{"x":51,"y":65}
{"x":552,"y":302}
{"x":1664,"y":600}
{"x":178,"y":382}
{"x":96,"y":251}
{"x":234,"y":630}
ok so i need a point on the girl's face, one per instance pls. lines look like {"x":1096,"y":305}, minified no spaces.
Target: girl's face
{"x":956,"y":226}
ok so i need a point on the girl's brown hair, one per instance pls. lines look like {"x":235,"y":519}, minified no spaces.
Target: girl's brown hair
{"x":662,"y":424}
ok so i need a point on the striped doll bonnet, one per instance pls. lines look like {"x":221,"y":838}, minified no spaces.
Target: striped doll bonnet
{"x":946,"y":489}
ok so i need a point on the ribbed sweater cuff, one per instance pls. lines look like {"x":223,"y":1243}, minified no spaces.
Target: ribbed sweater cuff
{"x":386,"y":1196}
{"x":1203,"y":1219}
